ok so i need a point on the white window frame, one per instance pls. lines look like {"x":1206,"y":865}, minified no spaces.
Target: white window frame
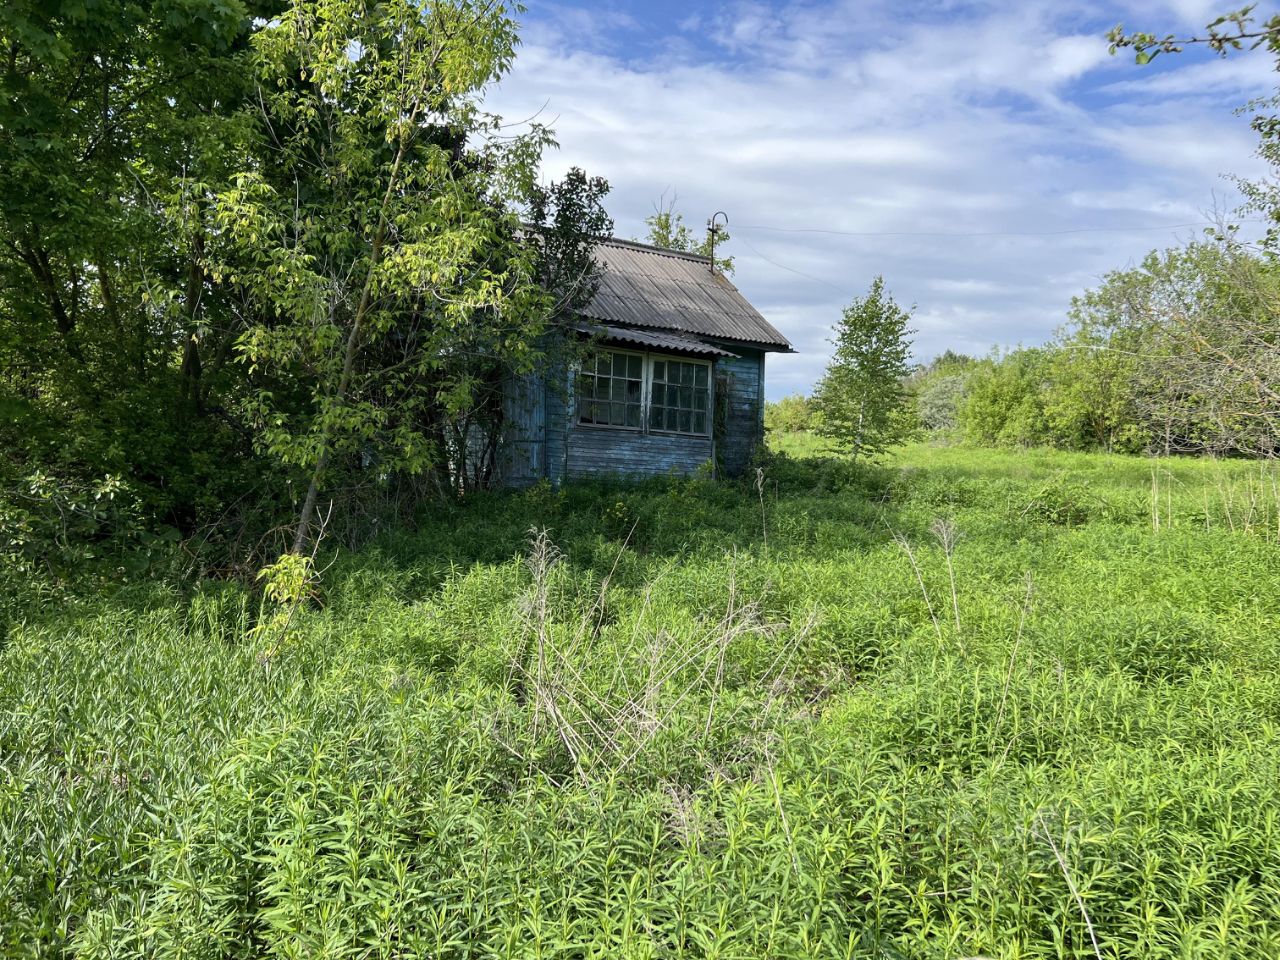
{"x":646,"y":394}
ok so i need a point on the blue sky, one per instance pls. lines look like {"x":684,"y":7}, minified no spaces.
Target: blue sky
{"x":989,"y":159}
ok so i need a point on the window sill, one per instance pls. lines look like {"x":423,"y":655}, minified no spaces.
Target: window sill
{"x":677,"y":433}
{"x":609,"y":426}
{"x":647,"y":433}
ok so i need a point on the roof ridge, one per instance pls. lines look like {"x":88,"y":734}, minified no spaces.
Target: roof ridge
{"x":655,"y":249}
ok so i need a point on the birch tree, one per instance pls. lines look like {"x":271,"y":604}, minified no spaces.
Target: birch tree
{"x":861,"y":400}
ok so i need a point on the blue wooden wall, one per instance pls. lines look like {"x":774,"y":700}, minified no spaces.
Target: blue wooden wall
{"x":743,"y":379}
{"x":630,"y":453}
{"x":544,"y":440}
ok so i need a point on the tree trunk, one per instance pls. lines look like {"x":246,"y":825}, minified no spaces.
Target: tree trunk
{"x":349,"y":353}
{"x":191,"y":368}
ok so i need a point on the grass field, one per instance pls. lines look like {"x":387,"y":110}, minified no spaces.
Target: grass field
{"x":971,"y":703}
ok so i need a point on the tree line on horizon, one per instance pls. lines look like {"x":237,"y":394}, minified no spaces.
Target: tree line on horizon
{"x":1177,"y":355}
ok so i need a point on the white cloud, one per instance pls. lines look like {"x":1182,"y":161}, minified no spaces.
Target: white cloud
{"x":841,"y":116}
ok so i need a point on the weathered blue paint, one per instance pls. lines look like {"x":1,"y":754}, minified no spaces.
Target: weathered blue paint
{"x":594,"y":451}
{"x":742,"y":380}
{"x":544,"y":439}
{"x":524,"y":443}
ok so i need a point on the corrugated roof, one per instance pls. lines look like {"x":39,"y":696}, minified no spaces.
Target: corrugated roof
{"x":659,"y":341}
{"x":643,"y":286}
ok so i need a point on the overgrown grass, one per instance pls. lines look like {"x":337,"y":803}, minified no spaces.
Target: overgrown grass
{"x":973,"y":703}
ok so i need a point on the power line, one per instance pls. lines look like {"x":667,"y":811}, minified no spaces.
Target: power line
{"x":783,"y":266}
{"x":994,"y":233}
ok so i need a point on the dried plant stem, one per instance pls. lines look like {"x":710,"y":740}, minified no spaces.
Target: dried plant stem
{"x":1071,"y":884}
{"x":905,"y":544}
{"x":1013,"y":660}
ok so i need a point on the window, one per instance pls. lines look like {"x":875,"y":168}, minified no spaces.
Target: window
{"x":679,"y":397}
{"x":644,"y":391}
{"x":611,"y":389}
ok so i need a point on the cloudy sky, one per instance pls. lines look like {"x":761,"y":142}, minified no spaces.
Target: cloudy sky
{"x":990,"y":159}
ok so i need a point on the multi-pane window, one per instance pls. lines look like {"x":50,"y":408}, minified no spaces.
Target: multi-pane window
{"x":621,"y":389}
{"x":679,"y":396}
{"x":611,"y":389}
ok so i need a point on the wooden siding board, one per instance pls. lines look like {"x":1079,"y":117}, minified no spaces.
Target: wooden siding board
{"x":744,"y":413}
{"x":600,"y":450}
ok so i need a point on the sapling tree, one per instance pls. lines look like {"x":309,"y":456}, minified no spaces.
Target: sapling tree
{"x":861,"y":400}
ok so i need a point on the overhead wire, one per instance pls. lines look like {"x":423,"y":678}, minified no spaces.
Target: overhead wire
{"x":989,"y":233}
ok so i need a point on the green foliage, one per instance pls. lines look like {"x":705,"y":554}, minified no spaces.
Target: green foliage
{"x":861,"y":399}
{"x":113,"y":351}
{"x":667,"y":229}
{"x":1172,"y":356}
{"x":253,"y":252}
{"x":791,"y":414}
{"x":1230,"y":32}
{"x":364,"y":284}
{"x":674,"y":733}
{"x":938,"y":390}
{"x":1003,"y":400}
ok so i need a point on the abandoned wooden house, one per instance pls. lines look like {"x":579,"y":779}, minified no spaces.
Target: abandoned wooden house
{"x":674,"y":378}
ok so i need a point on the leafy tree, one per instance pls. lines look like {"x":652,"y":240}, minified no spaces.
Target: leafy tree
{"x":938,"y":389}
{"x":1003,"y":402}
{"x":1189,"y":337}
{"x":381,"y":249}
{"x":113,"y":346}
{"x":667,"y":229}
{"x":861,"y":398}
{"x":792,"y":414}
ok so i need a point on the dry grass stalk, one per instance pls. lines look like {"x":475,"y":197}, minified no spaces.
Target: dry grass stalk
{"x":559,"y":668}
{"x":1071,"y":884}
{"x":905,"y":544}
{"x":945,"y":532}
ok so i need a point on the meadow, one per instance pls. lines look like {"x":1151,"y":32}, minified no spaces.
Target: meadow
{"x":969,"y":703}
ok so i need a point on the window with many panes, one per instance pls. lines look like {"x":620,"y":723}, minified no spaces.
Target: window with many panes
{"x":611,"y":389}
{"x":643,"y":391}
{"x":679,"y":396}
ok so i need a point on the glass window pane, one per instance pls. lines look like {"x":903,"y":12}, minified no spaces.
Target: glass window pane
{"x":619,"y":364}
{"x":686,"y":421}
{"x":701,"y":376}
{"x":658,"y":369}
{"x":671,"y":420}
{"x":699,"y":422}
{"x":602,"y":363}
{"x":618,"y":390}
{"x":655,"y":418}
{"x":686,"y":398}
{"x":633,"y":391}
{"x":633,"y":367}
{"x":700,"y":397}
{"x":633,"y":415}
{"x":673,"y":396}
